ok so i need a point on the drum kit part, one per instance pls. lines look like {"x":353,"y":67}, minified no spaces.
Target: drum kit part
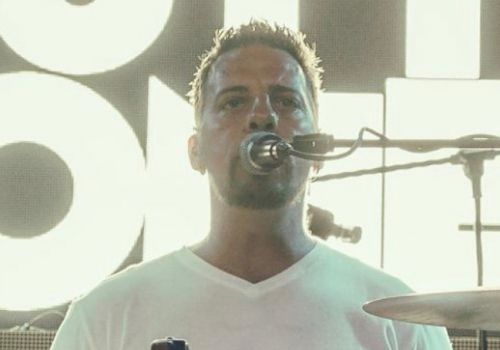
{"x":477,"y":309}
{"x":469,"y":309}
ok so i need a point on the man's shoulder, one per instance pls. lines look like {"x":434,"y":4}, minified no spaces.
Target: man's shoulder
{"x":352,"y":271}
{"x":134,"y":279}
{"x":146,"y":269}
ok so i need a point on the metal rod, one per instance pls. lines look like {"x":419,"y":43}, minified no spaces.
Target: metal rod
{"x":474,"y":169}
{"x":468,"y":227}
{"x":421,"y":145}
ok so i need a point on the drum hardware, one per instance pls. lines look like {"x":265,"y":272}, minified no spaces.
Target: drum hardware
{"x":467,"y":309}
{"x":473,"y":162}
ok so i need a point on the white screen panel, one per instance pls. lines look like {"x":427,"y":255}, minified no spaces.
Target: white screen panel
{"x":425,"y":206}
{"x":280,"y":11}
{"x":442,"y":38}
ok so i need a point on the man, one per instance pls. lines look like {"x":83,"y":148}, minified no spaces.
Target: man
{"x":258,"y":280}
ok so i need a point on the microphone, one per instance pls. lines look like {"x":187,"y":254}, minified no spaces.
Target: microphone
{"x":321,"y":225}
{"x":262,"y":152}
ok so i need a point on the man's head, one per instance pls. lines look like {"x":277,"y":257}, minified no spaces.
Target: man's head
{"x":253,"y":84}
{"x":257,"y":32}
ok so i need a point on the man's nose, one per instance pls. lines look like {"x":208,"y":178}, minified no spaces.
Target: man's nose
{"x":262,"y":117}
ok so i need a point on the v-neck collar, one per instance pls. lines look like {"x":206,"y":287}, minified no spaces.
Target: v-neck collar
{"x":253,"y":290}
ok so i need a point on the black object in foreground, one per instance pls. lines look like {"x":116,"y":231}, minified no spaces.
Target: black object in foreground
{"x":169,"y":343}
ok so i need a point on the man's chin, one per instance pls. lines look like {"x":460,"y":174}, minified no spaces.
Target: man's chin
{"x":267,"y":195}
{"x":272,"y":191}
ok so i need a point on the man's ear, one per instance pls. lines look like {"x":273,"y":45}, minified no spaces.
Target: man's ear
{"x":194,"y":154}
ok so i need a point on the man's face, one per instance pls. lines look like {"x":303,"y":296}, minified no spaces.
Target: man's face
{"x":250,"y":89}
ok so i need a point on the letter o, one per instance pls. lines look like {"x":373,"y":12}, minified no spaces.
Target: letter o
{"x":107,"y":165}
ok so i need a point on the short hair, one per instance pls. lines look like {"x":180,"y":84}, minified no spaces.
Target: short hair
{"x":257,"y":32}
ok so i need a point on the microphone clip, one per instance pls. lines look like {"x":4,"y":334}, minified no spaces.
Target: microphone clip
{"x":313,"y":143}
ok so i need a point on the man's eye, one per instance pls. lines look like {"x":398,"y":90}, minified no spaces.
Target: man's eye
{"x":288,"y":102}
{"x":233,"y":103}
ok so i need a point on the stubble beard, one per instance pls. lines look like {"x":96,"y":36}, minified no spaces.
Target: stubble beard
{"x":261,"y":191}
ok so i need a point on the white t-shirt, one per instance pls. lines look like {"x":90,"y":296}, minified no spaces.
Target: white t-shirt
{"x":315,"y":304}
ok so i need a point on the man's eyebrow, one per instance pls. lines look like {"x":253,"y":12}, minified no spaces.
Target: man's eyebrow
{"x":236,"y":88}
{"x":282,"y":88}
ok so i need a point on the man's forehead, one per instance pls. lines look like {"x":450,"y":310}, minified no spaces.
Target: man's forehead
{"x":256,"y":61}
{"x":256,"y":53}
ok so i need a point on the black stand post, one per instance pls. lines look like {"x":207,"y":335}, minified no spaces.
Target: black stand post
{"x":474,"y":169}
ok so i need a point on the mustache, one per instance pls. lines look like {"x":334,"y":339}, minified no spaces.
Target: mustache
{"x":235,"y":163}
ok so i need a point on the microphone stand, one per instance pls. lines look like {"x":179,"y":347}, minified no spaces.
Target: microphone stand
{"x":323,"y":143}
{"x":472,"y":161}
{"x":474,"y":141}
{"x":474,"y":169}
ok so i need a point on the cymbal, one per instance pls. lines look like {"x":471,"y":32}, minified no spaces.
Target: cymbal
{"x":469,"y":309}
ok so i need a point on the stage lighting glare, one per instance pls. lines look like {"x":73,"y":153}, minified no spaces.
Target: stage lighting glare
{"x":79,"y":40}
{"x":280,"y":11}
{"x":107,"y":165}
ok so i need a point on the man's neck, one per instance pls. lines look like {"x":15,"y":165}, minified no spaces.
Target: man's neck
{"x":255,"y":244}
